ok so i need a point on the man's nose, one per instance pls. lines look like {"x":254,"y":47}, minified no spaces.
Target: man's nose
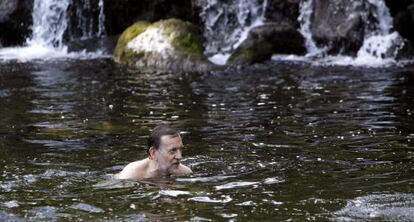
{"x":178,"y":155}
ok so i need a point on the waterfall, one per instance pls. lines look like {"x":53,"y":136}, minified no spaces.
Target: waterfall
{"x":227,"y":23}
{"x":304,"y":19}
{"x":50,"y":25}
{"x":101,"y":25}
{"x":380,"y":45}
{"x":86,"y":25}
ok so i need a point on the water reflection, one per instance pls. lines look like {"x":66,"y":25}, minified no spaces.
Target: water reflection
{"x":284,"y":141}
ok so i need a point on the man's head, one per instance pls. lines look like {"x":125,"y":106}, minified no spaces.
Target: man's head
{"x":165,"y":147}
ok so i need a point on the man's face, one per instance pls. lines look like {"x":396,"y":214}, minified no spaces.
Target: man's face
{"x":169,"y":153}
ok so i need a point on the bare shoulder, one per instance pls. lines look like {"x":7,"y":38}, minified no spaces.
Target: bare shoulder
{"x":133,"y":170}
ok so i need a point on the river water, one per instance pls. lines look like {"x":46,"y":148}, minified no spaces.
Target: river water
{"x":277,"y":141}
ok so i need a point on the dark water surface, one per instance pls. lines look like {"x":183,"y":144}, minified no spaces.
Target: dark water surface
{"x":272,"y":142}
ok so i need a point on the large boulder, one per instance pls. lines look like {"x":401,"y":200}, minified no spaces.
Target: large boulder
{"x":339,"y":25}
{"x":264,"y":41}
{"x":167,"y":45}
{"x":15,"y":21}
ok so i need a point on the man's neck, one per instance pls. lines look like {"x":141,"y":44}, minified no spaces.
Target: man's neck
{"x":154,"y":170}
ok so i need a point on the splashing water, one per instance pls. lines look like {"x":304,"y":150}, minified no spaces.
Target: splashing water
{"x":227,"y":25}
{"x":380,"y":46}
{"x":50,"y":22}
{"x":306,"y":10}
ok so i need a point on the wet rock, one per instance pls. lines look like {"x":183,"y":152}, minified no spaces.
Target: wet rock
{"x":283,"y":11}
{"x":6,"y":8}
{"x":15,"y":21}
{"x":403,"y":14}
{"x":122,"y":14}
{"x":340,"y":25}
{"x":406,"y":50}
{"x":266,"y":40}
{"x":167,"y":45}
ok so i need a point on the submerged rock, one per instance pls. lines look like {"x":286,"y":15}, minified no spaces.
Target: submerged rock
{"x":167,"y":45}
{"x":266,"y":40}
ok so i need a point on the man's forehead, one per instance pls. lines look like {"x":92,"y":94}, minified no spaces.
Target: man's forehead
{"x":170,"y":139}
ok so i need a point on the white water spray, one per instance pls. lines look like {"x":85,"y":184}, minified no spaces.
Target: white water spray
{"x":227,"y":25}
{"x":101,"y":25}
{"x":50,"y":21}
{"x":306,"y":10}
{"x":380,"y":46}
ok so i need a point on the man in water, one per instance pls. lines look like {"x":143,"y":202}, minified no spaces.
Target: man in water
{"x":164,"y":155}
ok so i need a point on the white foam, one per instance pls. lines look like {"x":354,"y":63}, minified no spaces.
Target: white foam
{"x":235,"y":185}
{"x":206,"y":199}
{"x":341,"y":60}
{"x":220,"y":58}
{"x":49,"y":25}
{"x":384,"y":207}
{"x":173,"y":193}
{"x":41,"y":52}
{"x":379,"y":49}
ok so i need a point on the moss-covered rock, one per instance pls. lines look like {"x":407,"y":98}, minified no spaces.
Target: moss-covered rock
{"x":130,"y":33}
{"x":167,"y":45}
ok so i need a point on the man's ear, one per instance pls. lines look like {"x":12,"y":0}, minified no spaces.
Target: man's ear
{"x":151,"y":153}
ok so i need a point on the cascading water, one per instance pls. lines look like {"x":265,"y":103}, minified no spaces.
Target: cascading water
{"x":85,"y":24}
{"x":227,"y":24}
{"x":50,"y":22}
{"x":380,"y":45}
{"x":101,"y":24}
{"x":306,"y":9}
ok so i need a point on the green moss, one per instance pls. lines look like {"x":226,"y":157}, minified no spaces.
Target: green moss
{"x":242,"y":56}
{"x":130,"y":33}
{"x":190,"y":43}
{"x":184,"y":36}
{"x":251,"y":54}
{"x":130,"y":56}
